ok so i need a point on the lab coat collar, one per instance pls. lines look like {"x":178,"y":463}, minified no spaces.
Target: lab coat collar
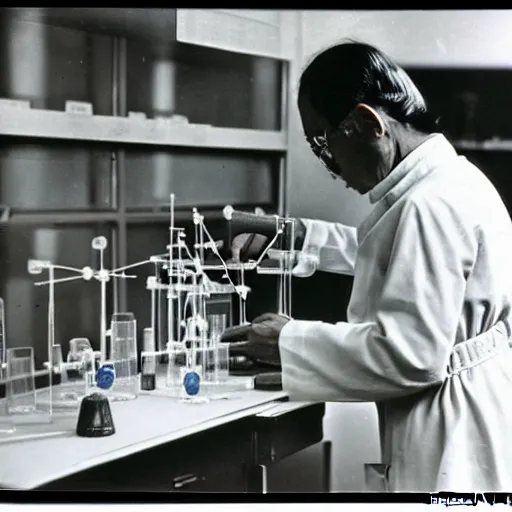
{"x":436,"y":150}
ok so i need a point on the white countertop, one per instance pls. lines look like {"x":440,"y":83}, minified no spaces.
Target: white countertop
{"x":140,"y":424}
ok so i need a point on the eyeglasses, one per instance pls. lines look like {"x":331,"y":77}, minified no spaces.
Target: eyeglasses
{"x":320,"y":148}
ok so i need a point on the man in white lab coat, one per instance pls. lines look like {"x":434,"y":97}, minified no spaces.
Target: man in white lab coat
{"x":428,"y":328}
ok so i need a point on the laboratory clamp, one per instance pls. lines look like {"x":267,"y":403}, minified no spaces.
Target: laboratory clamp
{"x":187,"y":362}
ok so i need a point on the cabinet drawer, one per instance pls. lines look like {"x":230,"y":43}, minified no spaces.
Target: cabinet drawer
{"x":212,"y":461}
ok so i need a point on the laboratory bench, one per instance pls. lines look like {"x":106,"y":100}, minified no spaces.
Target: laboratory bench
{"x":164,"y":445}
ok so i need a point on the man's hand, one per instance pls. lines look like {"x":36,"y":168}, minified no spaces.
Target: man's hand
{"x":247,"y":246}
{"x":259,"y":340}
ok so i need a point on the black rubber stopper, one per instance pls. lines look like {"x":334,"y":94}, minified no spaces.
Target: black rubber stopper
{"x":95,"y":417}
{"x":163,"y":358}
{"x":272,"y":381}
{"x":148,"y":382}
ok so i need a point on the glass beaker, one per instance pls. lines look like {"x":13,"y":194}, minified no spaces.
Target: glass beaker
{"x":72,"y":377}
{"x":178,"y":359}
{"x":6,"y":421}
{"x":21,"y":387}
{"x":214,"y":362}
{"x":220,"y":363}
{"x":216,"y":326}
{"x":123,"y":356}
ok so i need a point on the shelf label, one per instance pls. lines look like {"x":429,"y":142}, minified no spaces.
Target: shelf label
{"x":82,"y":108}
{"x":19,"y":104}
{"x":5,"y":213}
{"x":140,"y":116}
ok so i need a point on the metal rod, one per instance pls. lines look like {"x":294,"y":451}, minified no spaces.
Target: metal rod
{"x":285,"y":118}
{"x":291,"y":262}
{"x":103,"y":313}
{"x":284,"y":161}
{"x":170,"y":295}
{"x":122,"y":226}
{"x":178,"y":283}
{"x":51,"y":332}
{"x":57,"y":281}
{"x":281,"y":290}
{"x":201,"y":240}
{"x":243,"y":316}
{"x":121,"y":87}
{"x":159,"y":318}
{"x":113,"y":262}
{"x":114,"y":185}
{"x":156,"y":339}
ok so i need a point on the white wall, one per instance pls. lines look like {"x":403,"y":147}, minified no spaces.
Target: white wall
{"x":474,"y":38}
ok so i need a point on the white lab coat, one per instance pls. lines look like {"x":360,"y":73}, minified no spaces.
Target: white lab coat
{"x":427,"y":336}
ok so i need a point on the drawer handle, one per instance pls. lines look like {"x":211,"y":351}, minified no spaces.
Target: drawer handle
{"x":184,"y":480}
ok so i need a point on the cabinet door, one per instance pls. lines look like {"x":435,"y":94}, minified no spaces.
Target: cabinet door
{"x":266,"y":33}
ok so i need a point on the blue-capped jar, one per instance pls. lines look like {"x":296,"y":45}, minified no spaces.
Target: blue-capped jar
{"x":105,"y":376}
{"x":192,"y":383}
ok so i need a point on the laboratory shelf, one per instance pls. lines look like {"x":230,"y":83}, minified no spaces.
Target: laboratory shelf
{"x":51,"y":124}
{"x":41,"y":218}
{"x":487,"y":145}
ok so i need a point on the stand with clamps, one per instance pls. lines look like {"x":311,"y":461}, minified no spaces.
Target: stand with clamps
{"x":285,"y":236}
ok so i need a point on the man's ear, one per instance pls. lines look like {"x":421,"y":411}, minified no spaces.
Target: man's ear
{"x":369,"y":122}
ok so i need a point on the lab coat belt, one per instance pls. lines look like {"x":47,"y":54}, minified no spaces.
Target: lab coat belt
{"x":479,"y":349}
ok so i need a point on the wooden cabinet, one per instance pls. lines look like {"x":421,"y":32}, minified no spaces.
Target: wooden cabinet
{"x":230,"y":458}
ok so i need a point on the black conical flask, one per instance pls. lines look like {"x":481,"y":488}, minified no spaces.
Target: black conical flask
{"x":95,"y":417}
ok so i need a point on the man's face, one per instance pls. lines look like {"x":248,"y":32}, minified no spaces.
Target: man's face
{"x":344,"y":150}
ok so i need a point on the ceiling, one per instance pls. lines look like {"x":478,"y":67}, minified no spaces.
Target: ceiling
{"x":155,"y":24}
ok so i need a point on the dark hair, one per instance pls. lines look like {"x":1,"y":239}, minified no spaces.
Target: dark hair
{"x":349,"y":73}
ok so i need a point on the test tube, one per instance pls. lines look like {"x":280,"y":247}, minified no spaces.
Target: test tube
{"x":221,"y":362}
{"x":148,"y":363}
{"x":124,"y":356}
{"x":215,"y":361}
{"x":216,"y":326}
